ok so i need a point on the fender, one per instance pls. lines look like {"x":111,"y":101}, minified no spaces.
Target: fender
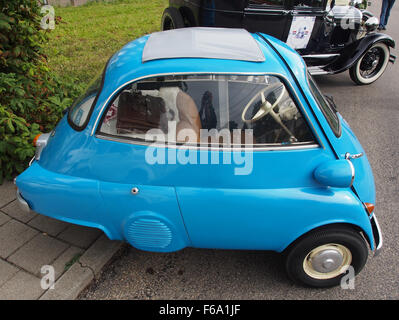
{"x":367,"y":13}
{"x":188,"y":16}
{"x":352,"y":53}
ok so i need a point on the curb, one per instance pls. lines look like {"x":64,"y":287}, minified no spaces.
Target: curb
{"x":84,"y":271}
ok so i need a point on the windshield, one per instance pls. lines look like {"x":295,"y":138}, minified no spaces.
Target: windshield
{"x":81,"y":109}
{"x":328,"y":110}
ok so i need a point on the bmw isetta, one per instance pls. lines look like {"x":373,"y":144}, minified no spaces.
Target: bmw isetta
{"x":331,"y":35}
{"x":190,"y":139}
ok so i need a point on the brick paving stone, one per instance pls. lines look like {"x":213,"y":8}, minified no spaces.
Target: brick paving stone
{"x":3,"y":218}
{"x":14,"y":211}
{"x":14,"y":235}
{"x":48,"y":225}
{"x":102,"y":250}
{"x":41,"y":250}
{"x":7,"y":192}
{"x":67,"y":257}
{"x":22,"y":286}
{"x":80,"y":236}
{"x":70,"y":284}
{"x":6,"y":271}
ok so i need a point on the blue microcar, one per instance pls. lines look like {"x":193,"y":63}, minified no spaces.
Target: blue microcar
{"x":211,"y":138}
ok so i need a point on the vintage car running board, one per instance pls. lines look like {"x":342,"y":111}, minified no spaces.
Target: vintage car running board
{"x":315,"y":71}
{"x":320,"y":56}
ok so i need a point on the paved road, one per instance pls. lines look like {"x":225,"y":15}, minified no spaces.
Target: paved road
{"x":373,"y":113}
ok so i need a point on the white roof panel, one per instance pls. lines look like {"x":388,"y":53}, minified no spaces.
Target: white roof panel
{"x":200,"y":42}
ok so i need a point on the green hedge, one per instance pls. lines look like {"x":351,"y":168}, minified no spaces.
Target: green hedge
{"x":32,"y":98}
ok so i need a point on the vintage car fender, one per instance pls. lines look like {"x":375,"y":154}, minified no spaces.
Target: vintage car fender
{"x":350,"y":55}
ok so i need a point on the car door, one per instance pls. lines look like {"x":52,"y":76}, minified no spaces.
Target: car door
{"x":267,"y":16}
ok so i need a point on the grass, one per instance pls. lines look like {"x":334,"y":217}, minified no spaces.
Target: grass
{"x":88,"y":35}
{"x":72,"y":261}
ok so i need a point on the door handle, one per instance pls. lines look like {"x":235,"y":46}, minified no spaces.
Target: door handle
{"x":349,"y":156}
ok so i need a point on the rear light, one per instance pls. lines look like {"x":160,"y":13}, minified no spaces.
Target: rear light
{"x":369,"y":207}
{"x":34,"y":142}
{"x":40,"y":141}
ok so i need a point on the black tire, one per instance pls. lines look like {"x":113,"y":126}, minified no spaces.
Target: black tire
{"x":341,"y":236}
{"x":355,"y":72}
{"x":172,"y":19}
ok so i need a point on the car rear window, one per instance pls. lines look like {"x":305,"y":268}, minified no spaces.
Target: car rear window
{"x":329,"y":113}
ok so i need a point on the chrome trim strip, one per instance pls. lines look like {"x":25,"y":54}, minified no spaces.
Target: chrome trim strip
{"x":232,"y":148}
{"x":316,"y":71}
{"x":31,"y":160}
{"x":22,"y":203}
{"x":321,"y":56}
{"x":352,"y":171}
{"x":302,"y":109}
{"x":378,"y":247}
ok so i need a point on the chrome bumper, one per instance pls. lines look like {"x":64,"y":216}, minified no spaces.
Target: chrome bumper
{"x":22,"y":203}
{"x":377,"y":234}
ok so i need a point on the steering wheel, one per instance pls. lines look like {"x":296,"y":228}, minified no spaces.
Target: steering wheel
{"x":266,"y":107}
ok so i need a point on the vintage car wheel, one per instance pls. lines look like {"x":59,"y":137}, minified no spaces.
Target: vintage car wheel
{"x":321,"y":258}
{"x":172,"y":19}
{"x":371,"y":65}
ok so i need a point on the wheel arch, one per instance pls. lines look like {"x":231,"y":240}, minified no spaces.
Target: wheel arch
{"x":353,"y":52}
{"x":345,"y":225}
{"x":188,"y":16}
{"x":174,"y":14}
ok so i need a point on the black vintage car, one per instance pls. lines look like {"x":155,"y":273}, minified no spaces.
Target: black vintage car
{"x":330,"y":36}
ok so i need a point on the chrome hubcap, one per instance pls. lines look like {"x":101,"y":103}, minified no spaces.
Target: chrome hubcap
{"x":327,"y":261}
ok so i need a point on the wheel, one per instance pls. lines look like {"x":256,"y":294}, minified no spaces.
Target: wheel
{"x":172,"y":19}
{"x":321,"y":258}
{"x":371,"y":65}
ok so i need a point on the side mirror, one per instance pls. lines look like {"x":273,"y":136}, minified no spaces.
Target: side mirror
{"x":335,"y":173}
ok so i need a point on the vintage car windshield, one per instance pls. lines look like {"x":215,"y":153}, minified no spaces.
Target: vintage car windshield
{"x":328,"y":110}
{"x":80,"y":110}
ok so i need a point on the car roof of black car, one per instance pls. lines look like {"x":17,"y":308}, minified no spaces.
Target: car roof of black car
{"x":200,"y":42}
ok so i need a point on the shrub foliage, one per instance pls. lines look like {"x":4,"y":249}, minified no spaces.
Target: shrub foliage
{"x":32,"y":98}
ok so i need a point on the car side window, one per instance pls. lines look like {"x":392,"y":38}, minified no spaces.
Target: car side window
{"x":273,"y":3}
{"x":308,"y":3}
{"x":80,"y":110}
{"x":214,"y":110}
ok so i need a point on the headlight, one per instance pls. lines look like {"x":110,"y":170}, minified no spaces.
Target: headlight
{"x":371,"y":24}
